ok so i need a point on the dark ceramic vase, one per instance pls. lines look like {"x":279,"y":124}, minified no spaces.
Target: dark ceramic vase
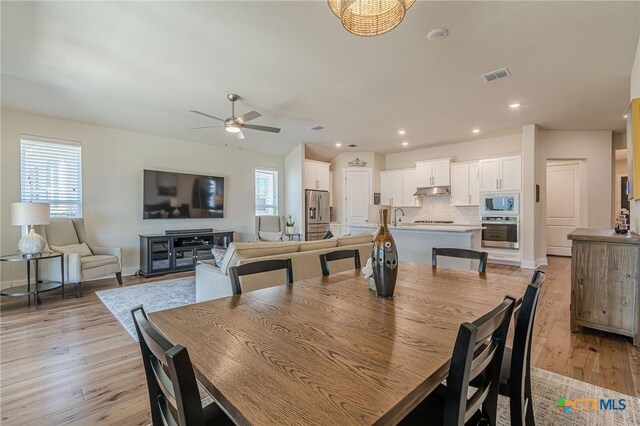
{"x":384,"y":259}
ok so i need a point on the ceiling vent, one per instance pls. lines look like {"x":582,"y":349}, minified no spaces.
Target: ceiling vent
{"x":317,"y":127}
{"x":494,"y":75}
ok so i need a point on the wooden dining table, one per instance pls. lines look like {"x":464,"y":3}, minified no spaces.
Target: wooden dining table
{"x":329,"y":351}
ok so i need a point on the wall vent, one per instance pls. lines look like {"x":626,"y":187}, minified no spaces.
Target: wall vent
{"x":317,"y":127}
{"x":494,"y":75}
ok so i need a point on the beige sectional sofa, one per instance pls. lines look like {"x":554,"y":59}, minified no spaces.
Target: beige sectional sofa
{"x":213,"y":282}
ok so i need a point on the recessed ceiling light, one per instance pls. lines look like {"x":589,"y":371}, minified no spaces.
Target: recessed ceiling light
{"x":402,"y":132}
{"x":437,"y":34}
{"x":625,"y":116}
{"x":476,"y":130}
{"x":405,"y":143}
{"x":338,"y":144}
{"x":514,"y":106}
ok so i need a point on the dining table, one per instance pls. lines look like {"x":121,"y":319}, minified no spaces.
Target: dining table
{"x":328,"y":350}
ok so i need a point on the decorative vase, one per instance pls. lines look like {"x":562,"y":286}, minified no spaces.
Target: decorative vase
{"x":31,"y":243}
{"x":384,"y":259}
{"x":291,"y":230}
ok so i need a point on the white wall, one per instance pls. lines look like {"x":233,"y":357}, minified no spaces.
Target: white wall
{"x":464,"y":151}
{"x":635,"y":93}
{"x":294,"y":187}
{"x":112,"y":163}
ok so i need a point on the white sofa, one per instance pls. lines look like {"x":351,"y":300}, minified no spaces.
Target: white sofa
{"x":213,"y":282}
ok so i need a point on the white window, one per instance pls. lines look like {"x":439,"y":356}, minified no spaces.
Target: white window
{"x":266,"y":182}
{"x":51,"y":172}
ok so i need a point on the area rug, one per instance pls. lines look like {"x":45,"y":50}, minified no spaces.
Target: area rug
{"x":155,"y":296}
{"x":547,"y":387}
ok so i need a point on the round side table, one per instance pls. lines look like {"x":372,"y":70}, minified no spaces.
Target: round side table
{"x":36,"y":287}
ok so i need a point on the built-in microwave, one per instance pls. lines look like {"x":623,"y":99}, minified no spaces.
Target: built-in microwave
{"x":499,"y":204}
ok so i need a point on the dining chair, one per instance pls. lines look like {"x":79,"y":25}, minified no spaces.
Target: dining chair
{"x":515,"y":375}
{"x":338,"y":255}
{"x":477,"y":352}
{"x":173,"y":390}
{"x":462,"y":254}
{"x":235,"y":272}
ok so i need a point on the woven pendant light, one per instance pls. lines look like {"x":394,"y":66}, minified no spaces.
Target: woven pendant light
{"x":370,"y":17}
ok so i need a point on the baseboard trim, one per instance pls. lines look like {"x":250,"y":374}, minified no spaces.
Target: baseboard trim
{"x":529,"y":264}
{"x":126,"y":271}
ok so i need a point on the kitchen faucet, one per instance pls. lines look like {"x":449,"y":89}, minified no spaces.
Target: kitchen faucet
{"x":395,"y":215}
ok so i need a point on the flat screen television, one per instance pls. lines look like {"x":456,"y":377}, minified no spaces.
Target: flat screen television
{"x":170,"y":195}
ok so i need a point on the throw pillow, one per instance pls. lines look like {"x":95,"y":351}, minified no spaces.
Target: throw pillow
{"x":218,"y":253}
{"x":270,"y":236}
{"x":82,"y":249}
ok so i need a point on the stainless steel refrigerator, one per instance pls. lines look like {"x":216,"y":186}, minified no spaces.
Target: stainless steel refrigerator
{"x":317,"y":214}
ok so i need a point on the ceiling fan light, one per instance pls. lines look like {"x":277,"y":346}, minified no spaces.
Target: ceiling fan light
{"x":370,"y":17}
{"x":232,"y":128}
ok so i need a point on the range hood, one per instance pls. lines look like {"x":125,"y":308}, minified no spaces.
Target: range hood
{"x":432,"y":190}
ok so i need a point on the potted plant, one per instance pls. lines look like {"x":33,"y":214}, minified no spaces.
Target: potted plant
{"x":290,"y":225}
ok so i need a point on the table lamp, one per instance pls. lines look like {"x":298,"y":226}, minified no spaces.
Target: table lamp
{"x":30,"y":214}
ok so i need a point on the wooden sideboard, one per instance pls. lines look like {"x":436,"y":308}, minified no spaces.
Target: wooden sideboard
{"x":605,"y":281}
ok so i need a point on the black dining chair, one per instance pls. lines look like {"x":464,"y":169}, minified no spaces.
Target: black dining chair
{"x":461,"y":254}
{"x":235,"y":272}
{"x":338,"y":255}
{"x":478,"y":352}
{"x":515,"y":375}
{"x":172,"y":385}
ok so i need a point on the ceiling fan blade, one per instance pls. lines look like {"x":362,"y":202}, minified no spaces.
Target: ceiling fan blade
{"x":205,"y":115}
{"x":261,"y":128}
{"x":252,"y":115}
{"x":206,"y":127}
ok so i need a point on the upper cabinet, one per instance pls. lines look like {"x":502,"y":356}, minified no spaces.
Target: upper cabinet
{"x":316,"y":175}
{"x":434,"y":172}
{"x":398,"y":186}
{"x":465,"y":190}
{"x":501,"y":174}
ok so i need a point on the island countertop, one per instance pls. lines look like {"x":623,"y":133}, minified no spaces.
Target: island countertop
{"x":425,"y":228}
{"x":604,"y":235}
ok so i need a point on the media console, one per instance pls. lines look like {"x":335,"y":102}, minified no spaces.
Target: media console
{"x":177,"y":251}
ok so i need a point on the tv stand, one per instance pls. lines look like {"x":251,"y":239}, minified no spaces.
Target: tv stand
{"x":162,"y":254}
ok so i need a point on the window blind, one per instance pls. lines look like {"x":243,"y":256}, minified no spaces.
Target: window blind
{"x":266,"y":186}
{"x":51,"y":172}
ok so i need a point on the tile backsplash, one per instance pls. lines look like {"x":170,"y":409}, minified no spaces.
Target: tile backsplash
{"x":440,"y":208}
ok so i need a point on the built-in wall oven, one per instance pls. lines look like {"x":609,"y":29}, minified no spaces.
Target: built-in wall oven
{"x":499,"y":204}
{"x":501,"y":232}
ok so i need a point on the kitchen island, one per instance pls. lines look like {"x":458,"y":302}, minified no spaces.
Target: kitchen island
{"x":605,"y":281}
{"x":415,"y":241}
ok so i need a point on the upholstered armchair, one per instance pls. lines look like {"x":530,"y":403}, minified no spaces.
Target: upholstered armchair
{"x":65,"y":235}
{"x":269,"y":228}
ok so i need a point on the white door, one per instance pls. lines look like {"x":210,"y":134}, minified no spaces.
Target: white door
{"x":322,"y":173}
{"x":357,"y":196}
{"x":563,"y":206}
{"x":310,"y":176}
{"x":425,"y":173}
{"x":441,"y":176}
{"x":511,"y":173}
{"x":474,"y":184}
{"x":409,"y":186}
{"x":489,"y":174}
{"x":459,"y":184}
{"x":386,"y":188}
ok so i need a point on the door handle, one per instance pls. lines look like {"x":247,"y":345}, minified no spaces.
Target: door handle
{"x":497,"y":184}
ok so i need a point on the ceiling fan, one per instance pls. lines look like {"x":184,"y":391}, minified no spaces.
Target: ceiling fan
{"x":235,"y":124}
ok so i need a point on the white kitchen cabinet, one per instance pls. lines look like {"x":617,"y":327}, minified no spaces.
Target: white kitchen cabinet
{"x":464,"y":184}
{"x":316,"y":175}
{"x":501,"y":174}
{"x":409,"y":186}
{"x":398,"y":186}
{"x":434,"y":172}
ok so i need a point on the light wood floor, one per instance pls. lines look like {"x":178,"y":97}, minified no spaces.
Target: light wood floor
{"x":72,"y":362}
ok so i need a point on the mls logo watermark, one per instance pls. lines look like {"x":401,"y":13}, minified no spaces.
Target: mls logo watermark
{"x":590,"y":404}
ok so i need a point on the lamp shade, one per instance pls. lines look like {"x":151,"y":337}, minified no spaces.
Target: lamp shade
{"x":374,"y":213}
{"x":30,"y":214}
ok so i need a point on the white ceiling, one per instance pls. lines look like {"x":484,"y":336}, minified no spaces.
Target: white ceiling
{"x":142,"y":65}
